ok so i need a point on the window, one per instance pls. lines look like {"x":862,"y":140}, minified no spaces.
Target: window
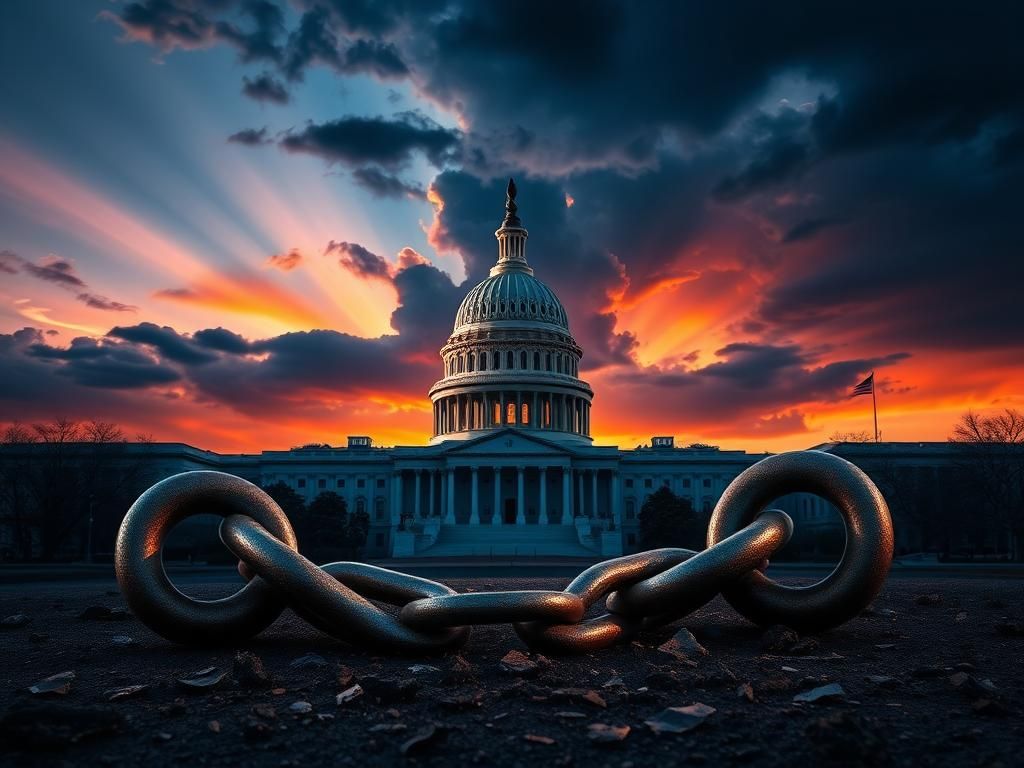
{"x":495,"y":412}
{"x":341,"y":482}
{"x":510,"y":412}
{"x":707,"y":482}
{"x":536,"y":361}
{"x":302,"y":482}
{"x":361,"y":482}
{"x":497,"y":360}
{"x":666,"y":482}
{"x":706,"y":507}
{"x":380,"y":482}
{"x":558,"y":363}
{"x":547,"y":362}
{"x":522,"y":359}
{"x":321,"y":482}
{"x":686,"y":482}
{"x":469,"y":365}
{"x":483,"y":361}
{"x":510,"y":361}
{"x":648,"y":483}
{"x":524,"y":413}
{"x":378,"y":508}
{"x":630,"y":509}
{"x":379,"y":539}
{"x":629,"y":482}
{"x":360,"y":504}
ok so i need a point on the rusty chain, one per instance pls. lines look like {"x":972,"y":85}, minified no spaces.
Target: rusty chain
{"x":641,"y":590}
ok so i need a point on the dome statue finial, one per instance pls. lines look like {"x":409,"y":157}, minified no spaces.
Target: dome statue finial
{"x":511,"y":219}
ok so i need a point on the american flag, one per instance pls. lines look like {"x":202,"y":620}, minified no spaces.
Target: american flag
{"x":866,"y":387}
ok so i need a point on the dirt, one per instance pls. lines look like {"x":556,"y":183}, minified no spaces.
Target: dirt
{"x":923,"y":682}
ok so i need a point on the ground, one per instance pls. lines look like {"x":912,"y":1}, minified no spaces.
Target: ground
{"x":931,"y":675}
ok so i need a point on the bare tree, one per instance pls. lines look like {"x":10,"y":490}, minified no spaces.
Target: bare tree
{"x":994,"y":445}
{"x":851,"y":437}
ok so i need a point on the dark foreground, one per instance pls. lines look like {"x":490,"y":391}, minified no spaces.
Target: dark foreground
{"x":932,"y":676}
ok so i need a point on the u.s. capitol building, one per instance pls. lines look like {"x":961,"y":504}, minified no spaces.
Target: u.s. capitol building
{"x":511,"y":468}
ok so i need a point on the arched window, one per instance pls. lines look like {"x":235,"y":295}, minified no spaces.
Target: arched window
{"x":510,"y":413}
{"x":558,"y":363}
{"x":536,"y":361}
{"x":522,"y":359}
{"x":511,"y":361}
{"x":630,"y":509}
{"x":522,"y":307}
{"x":379,"y":509}
{"x":496,"y":412}
{"x":497,"y":360}
{"x":360,"y":504}
{"x":524,"y":414}
{"x":483,"y":361}
{"x":471,"y":358}
{"x":461,"y":364}
{"x":547,"y":362}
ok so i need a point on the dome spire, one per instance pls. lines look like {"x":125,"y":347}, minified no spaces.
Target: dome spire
{"x":511,"y":219}
{"x":511,"y":236}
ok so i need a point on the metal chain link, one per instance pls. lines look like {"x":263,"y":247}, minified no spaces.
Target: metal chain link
{"x":642,"y":590}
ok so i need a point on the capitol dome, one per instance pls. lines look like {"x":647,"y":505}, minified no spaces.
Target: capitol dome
{"x":511,"y":295}
{"x":511,"y":360}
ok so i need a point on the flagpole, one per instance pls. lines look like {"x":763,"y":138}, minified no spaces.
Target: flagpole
{"x":874,"y":404}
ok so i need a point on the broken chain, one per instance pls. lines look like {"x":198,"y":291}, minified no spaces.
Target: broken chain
{"x":642,"y":590}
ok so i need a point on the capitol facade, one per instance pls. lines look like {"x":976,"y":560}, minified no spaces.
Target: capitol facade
{"x":511,"y":468}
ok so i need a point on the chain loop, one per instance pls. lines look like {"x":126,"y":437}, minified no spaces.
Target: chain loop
{"x":643,"y":590}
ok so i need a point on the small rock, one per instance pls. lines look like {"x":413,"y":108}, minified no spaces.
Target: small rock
{"x":461,"y":701}
{"x":266,"y":711}
{"x":214,"y":726}
{"x":532,"y":737}
{"x":345,"y":676}
{"x":102,"y":613}
{"x":249,"y":672}
{"x":38,"y":637}
{"x":14,"y":621}
{"x":54,"y":685}
{"x":349,"y":694}
{"x":745,"y":691}
{"x":122,"y":641}
{"x":419,"y":669}
{"x":300,"y":708}
{"x":459,"y":671}
{"x":309,"y":661}
{"x":127,"y":692}
{"x":960,"y":617}
{"x":388,"y":728}
{"x":579,"y":694}
{"x":518,"y":663}
{"x":969,"y":685}
{"x":569,"y":715}
{"x":613,"y":682}
{"x":162,"y":736}
{"x":683,"y":646}
{"x":607,"y":735}
{"x":679,"y":719}
{"x":423,"y":740}
{"x":209,"y":677}
{"x":779,"y":639}
{"x":932,"y":598}
{"x":822,"y":693}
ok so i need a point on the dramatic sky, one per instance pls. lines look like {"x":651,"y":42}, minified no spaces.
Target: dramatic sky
{"x":247,"y":224}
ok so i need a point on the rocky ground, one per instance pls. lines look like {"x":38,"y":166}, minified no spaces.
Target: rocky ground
{"x":931,"y":675}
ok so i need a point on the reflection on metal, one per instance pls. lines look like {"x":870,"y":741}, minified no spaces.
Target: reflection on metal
{"x":642,"y":590}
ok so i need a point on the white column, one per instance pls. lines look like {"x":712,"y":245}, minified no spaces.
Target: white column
{"x":396,"y":497}
{"x":616,"y":502}
{"x":593,"y":493}
{"x":416,"y":502}
{"x":474,"y":515}
{"x":449,"y":517}
{"x":542,"y":518}
{"x":566,"y":497}
{"x":430,"y":504}
{"x":520,"y":497}
{"x":496,"y":519}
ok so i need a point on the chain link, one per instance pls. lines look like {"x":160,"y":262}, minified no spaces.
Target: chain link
{"x":642,"y":590}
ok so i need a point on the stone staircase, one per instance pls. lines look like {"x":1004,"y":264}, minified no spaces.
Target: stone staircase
{"x":506,"y":541}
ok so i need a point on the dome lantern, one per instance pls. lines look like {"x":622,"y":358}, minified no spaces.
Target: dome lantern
{"x":511,"y":237}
